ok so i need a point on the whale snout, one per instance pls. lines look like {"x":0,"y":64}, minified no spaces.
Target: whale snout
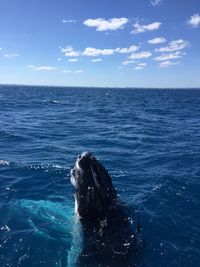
{"x":94,"y":192}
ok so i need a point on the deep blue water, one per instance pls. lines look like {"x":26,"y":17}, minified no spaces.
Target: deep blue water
{"x":149,"y":140}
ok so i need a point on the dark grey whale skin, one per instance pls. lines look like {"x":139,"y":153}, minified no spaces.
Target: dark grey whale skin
{"x":108,"y":235}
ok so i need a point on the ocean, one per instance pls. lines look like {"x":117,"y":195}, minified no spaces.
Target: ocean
{"x":148,"y":139}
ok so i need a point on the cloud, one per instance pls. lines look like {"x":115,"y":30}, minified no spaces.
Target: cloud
{"x":94,"y":52}
{"x":96,"y":60}
{"x":194,"y":21}
{"x":138,"y":28}
{"x":168,"y":63}
{"x":173,"y":46}
{"x":139,"y":68}
{"x":157,"y":40}
{"x":59,"y":59}
{"x":104,"y":25}
{"x":155,"y":2}
{"x":73,"y":59}
{"x":142,"y":64}
{"x":70,"y":52}
{"x":11,"y":55}
{"x":140,"y":55}
{"x":70,"y":71}
{"x":41,"y":68}
{"x":127,"y":62}
{"x":69,"y":21}
{"x":66,"y":71}
{"x":130,"y":49}
{"x":169,"y":56}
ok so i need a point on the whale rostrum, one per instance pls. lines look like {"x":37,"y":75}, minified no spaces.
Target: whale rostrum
{"x":107,"y":230}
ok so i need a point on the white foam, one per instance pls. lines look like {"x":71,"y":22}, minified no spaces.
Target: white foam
{"x":4,"y":162}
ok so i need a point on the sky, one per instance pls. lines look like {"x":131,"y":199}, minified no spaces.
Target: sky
{"x":107,"y":43}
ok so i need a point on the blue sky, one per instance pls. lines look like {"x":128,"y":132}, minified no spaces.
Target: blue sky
{"x":123,"y":43}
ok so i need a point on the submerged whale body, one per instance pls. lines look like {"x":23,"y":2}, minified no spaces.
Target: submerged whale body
{"x":108,"y":233}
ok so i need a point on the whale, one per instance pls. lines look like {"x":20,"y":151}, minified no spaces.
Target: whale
{"x":109,"y":235}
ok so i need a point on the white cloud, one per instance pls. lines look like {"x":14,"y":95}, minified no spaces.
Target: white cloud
{"x":127,"y":62}
{"x":94,"y":52}
{"x":73,"y":59}
{"x":157,"y":40}
{"x":59,"y":59}
{"x":138,"y":28}
{"x":173,"y":46}
{"x":66,"y":71}
{"x":142,"y":64}
{"x":155,"y":2}
{"x":73,"y":72}
{"x":40,"y":68}
{"x":130,"y":49}
{"x":69,"y":21}
{"x":144,"y":54}
{"x":139,"y":68}
{"x":70,"y":52}
{"x":169,"y":56}
{"x":11,"y":55}
{"x":194,"y":20}
{"x":78,"y":71}
{"x":104,"y":25}
{"x":168,"y":63}
{"x":96,"y":60}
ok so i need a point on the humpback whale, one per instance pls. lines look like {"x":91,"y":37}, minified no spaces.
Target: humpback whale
{"x":109,"y":237}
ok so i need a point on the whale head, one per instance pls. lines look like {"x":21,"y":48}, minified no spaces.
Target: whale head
{"x":95,"y":195}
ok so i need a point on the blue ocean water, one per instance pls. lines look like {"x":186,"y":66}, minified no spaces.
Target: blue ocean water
{"x":148,"y":139}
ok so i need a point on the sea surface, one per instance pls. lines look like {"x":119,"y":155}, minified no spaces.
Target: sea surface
{"x":148,"y":139}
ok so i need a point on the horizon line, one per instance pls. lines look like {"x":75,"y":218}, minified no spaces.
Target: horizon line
{"x":102,"y":87}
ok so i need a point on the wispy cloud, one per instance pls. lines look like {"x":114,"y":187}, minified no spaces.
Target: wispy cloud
{"x":155,"y":2}
{"x":127,"y":62}
{"x":73,"y":72}
{"x":174,"y":46}
{"x":140,"y":55}
{"x":41,"y":68}
{"x":169,"y":56}
{"x":69,"y":21}
{"x":11,"y":55}
{"x":139,"y":28}
{"x":66,"y":71}
{"x":194,"y":21}
{"x":157,"y":40}
{"x":167,"y":63}
{"x":78,"y":71}
{"x":130,"y":49}
{"x":96,"y":60}
{"x":139,"y":68}
{"x":69,"y":51}
{"x":73,"y":59}
{"x":105,"y":25}
{"x":142,"y":64}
